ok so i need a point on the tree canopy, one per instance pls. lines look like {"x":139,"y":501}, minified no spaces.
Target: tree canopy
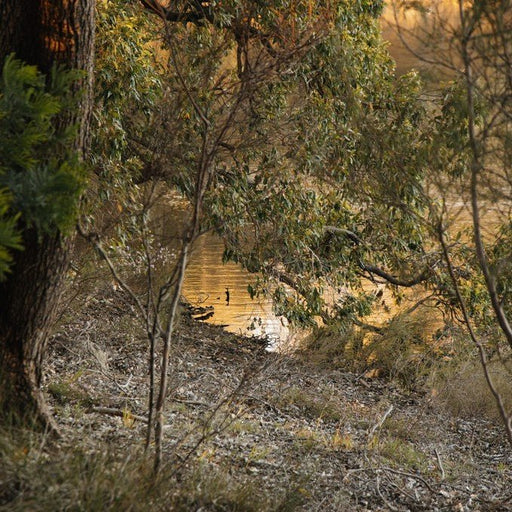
{"x":314,"y":147}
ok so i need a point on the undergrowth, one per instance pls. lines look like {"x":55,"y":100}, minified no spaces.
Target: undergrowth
{"x":39,"y":475}
{"x":410,"y":352}
{"x":460,"y":387}
{"x":404,"y":350}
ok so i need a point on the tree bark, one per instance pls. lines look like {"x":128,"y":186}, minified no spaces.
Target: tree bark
{"x":28,"y":301}
{"x":40,"y":33}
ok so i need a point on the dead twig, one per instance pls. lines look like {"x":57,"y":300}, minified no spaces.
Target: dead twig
{"x":410,"y":475}
{"x":110,"y":411}
{"x":440,"y":464}
{"x":190,"y":402}
{"x":379,"y":424}
{"x":401,"y":490}
{"x":272,"y":407}
{"x":386,"y":502}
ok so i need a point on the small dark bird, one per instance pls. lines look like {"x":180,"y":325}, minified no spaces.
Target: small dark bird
{"x":227,"y":296}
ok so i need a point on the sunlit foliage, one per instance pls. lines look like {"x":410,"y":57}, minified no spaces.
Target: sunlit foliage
{"x":314,"y":148}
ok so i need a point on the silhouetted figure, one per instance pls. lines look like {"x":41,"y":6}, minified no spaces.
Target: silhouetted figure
{"x":227,"y":296}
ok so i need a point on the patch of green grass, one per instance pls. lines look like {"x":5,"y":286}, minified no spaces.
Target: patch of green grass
{"x":243,"y":426}
{"x":403,"y":454}
{"x":65,"y":392}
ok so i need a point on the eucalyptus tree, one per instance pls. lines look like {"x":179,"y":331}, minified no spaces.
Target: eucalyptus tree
{"x":320,"y":187}
{"x":217,"y":74}
{"x":484,"y":43}
{"x":316,"y":149}
{"x":286,"y":130}
{"x":284,"y":125}
{"x":38,"y":118}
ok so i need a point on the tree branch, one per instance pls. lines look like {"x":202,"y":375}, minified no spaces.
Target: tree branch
{"x":345,"y":232}
{"x":373,"y":269}
{"x":406,"y":283}
{"x":287,"y":280}
{"x":195,"y":12}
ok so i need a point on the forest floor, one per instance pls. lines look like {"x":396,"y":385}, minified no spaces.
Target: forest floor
{"x":247,"y":429}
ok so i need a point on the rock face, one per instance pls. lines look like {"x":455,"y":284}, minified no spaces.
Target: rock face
{"x":316,"y":440}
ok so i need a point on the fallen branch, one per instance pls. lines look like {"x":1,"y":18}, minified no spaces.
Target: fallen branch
{"x":190,"y":402}
{"x":110,"y":411}
{"x":386,"y":502}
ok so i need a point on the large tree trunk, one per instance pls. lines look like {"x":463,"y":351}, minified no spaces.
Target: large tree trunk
{"x":40,"y":33}
{"x":28,"y":301}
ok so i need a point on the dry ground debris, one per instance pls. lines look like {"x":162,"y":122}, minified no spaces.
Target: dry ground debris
{"x":249,"y":429}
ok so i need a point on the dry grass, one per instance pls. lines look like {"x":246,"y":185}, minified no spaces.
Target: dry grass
{"x":327,"y":347}
{"x":39,"y":477}
{"x":460,"y":387}
{"x":404,"y":351}
{"x":316,"y":404}
{"x":407,"y":352}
